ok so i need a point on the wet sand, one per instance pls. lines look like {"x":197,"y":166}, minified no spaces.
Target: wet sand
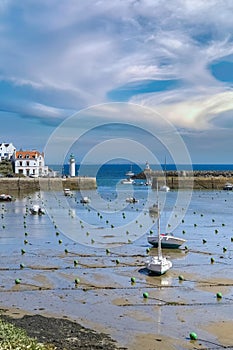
{"x":104,"y":298}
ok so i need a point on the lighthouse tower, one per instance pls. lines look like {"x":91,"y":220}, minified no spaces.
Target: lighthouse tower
{"x":72,"y":166}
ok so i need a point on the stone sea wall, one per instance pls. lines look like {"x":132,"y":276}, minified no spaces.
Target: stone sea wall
{"x":198,"y":180}
{"x":8,"y":185}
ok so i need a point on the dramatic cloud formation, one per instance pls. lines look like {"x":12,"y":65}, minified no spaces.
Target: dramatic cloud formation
{"x":173,"y":56}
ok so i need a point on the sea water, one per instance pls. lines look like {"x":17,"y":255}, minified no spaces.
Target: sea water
{"x":108,"y":239}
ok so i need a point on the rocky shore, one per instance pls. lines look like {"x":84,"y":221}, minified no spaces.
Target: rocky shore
{"x":63,"y":334}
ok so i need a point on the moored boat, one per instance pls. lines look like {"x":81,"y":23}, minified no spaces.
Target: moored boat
{"x":131,"y":200}
{"x":85,"y":200}
{"x":127,"y":181}
{"x":228,"y":187}
{"x":167,"y":241}
{"x":37,"y":210}
{"x":5,"y":198}
{"x":158,"y":264}
{"x":68,"y":192}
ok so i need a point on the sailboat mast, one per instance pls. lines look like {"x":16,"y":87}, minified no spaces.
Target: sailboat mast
{"x":158,"y":225}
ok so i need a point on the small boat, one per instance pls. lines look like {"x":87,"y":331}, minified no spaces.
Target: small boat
{"x":164,"y":188}
{"x":130,"y":172}
{"x":158,"y":265}
{"x":131,"y":200}
{"x":37,"y":210}
{"x":127,"y":181}
{"x":68,"y":192}
{"x":5,"y":198}
{"x":153,"y":210}
{"x":228,"y":187}
{"x":167,"y":241}
{"x":148,"y":182}
{"x":85,"y":200}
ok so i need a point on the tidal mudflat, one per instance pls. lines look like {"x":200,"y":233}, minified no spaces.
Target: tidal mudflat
{"x":91,"y":283}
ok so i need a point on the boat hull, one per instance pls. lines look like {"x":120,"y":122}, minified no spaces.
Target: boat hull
{"x":158,"y":266}
{"x":167,"y":241}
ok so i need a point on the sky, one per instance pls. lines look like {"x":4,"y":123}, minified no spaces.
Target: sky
{"x":169,"y":60}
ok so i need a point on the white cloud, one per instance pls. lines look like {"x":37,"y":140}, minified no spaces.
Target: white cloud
{"x":84,"y":49}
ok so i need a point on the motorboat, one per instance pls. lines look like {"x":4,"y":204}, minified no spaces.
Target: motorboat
{"x":158,"y":264}
{"x":131,"y":200}
{"x":85,"y":200}
{"x":127,"y":181}
{"x":167,"y":241}
{"x":5,"y":198}
{"x":37,"y":210}
{"x":228,"y":187}
{"x":68,"y":192}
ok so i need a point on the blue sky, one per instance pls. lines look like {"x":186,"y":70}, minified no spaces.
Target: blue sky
{"x":174,"y":57}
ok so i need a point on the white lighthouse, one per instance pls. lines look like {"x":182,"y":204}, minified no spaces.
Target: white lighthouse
{"x":72,"y":166}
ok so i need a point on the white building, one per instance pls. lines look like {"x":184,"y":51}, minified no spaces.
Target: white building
{"x":6,"y":151}
{"x":29,"y":163}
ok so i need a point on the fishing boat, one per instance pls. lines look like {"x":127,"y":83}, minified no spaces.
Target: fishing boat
{"x":37,"y":210}
{"x":158,"y":264}
{"x":168,"y":241}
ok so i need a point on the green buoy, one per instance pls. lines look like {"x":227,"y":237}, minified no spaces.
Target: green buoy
{"x":181,"y":278}
{"x":22,"y":265}
{"x":77,"y":280}
{"x":219,"y":295}
{"x":75,"y":262}
{"x":133,"y":279}
{"x":193,"y":336}
{"x":212,"y":260}
{"x":17,"y":281}
{"x":145,"y":295}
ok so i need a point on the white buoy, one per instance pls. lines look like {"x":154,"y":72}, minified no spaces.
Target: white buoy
{"x":72,"y":166}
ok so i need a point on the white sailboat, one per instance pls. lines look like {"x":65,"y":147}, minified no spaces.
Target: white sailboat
{"x":130,"y":172}
{"x":165,"y":188}
{"x":158,"y":264}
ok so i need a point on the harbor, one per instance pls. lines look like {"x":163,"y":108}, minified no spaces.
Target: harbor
{"x":78,"y":257}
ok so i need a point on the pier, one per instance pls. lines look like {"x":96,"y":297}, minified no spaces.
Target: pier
{"x":8,"y":185}
{"x":197,"y":180}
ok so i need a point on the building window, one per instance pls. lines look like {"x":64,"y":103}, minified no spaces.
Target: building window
{"x":27,"y":156}
{"x":27,"y":163}
{"x":20,"y":156}
{"x":20,"y":163}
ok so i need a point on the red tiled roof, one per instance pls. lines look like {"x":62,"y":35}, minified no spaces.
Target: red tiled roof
{"x":28,"y":154}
